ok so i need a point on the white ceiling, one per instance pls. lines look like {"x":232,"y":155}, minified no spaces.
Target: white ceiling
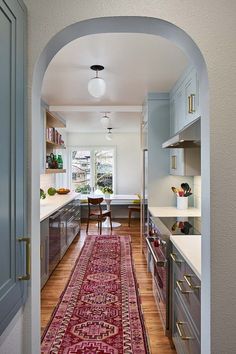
{"x":135,"y":64}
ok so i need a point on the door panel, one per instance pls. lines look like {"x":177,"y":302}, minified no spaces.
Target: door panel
{"x":12,"y":175}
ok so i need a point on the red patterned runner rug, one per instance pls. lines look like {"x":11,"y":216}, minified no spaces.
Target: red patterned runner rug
{"x":99,"y":311}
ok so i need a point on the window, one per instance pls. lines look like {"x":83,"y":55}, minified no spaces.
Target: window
{"x":92,"y":169}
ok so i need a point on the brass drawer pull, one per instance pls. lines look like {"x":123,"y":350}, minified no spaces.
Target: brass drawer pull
{"x":179,"y":325}
{"x":27,"y":241}
{"x":173,"y":256}
{"x":179,"y":285}
{"x":188,"y":278}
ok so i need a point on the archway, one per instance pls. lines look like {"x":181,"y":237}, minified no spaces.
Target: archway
{"x":118,"y":24}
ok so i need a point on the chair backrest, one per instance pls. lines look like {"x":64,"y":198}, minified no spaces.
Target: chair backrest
{"x":95,"y":202}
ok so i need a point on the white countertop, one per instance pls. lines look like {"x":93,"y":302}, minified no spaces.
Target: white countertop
{"x":173,"y":211}
{"x":53,"y":203}
{"x":190,"y":248}
{"x":115,"y":198}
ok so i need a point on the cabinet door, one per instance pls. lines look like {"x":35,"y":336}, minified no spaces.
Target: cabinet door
{"x":13,"y":163}
{"x":180,"y":112}
{"x":191,"y":97}
{"x":44,"y":250}
{"x":172,"y":117}
{"x":183,"y":333}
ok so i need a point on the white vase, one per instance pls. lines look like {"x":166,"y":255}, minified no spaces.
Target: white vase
{"x":107,"y":195}
{"x":182,"y":203}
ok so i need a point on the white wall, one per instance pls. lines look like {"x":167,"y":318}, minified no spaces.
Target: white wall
{"x":128,"y":156}
{"x":212,"y":26}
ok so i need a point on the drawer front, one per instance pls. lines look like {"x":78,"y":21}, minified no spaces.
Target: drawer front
{"x":178,"y":261}
{"x":161,"y":304}
{"x":190,"y":295}
{"x":183,"y":333}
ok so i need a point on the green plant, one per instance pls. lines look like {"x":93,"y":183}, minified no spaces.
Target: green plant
{"x":42,"y":194}
{"x":84,"y":189}
{"x":106,"y":190}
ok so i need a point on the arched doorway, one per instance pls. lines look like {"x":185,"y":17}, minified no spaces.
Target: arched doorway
{"x":118,"y":24}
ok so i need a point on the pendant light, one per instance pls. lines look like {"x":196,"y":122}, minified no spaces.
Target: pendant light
{"x":105,"y":120}
{"x":109,"y":134}
{"x":96,"y":85}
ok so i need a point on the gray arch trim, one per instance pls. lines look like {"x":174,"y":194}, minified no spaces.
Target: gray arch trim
{"x":119,"y":24}
{"x":153,"y":26}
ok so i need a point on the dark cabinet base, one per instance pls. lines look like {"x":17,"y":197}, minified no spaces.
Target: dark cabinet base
{"x":57,"y":233}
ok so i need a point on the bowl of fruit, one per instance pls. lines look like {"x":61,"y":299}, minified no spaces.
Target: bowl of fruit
{"x":63,"y":190}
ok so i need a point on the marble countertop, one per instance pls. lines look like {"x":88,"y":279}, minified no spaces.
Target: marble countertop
{"x":190,"y":248}
{"x":173,"y":211}
{"x":53,"y":203}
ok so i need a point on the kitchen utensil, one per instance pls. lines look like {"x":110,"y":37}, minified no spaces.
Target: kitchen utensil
{"x":175,"y":190}
{"x":186,"y":188}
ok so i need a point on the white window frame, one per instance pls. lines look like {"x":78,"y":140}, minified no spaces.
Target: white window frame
{"x":92,"y":149}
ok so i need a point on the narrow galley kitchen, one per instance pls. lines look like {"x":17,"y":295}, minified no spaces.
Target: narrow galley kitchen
{"x":125,"y":276}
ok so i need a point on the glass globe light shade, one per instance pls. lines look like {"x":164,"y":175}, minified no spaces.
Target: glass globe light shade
{"x":105,"y":121}
{"x":109,"y":136}
{"x":96,"y":87}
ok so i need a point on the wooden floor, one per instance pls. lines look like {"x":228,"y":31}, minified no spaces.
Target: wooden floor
{"x":159,"y":344}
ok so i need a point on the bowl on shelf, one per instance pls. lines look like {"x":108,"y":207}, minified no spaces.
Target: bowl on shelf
{"x":63,"y":190}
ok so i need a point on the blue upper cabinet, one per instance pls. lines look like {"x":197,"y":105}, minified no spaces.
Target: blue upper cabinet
{"x":191,"y":96}
{"x":13,"y":251}
{"x":184,"y":101}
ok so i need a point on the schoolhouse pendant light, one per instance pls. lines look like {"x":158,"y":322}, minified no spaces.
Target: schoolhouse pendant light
{"x":105,"y":120}
{"x":96,"y":85}
{"x":109,"y":134}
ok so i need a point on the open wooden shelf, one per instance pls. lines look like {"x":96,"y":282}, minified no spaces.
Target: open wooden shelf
{"x":55,"y":170}
{"x":51,"y":144}
{"x":53,"y":121}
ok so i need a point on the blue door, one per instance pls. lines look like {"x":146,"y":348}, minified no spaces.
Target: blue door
{"x":14,"y":245}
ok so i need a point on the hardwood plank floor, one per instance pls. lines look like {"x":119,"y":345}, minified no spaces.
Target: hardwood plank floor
{"x":159,"y":344}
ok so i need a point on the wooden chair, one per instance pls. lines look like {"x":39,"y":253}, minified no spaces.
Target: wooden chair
{"x":95,"y":212}
{"x":132,"y":209}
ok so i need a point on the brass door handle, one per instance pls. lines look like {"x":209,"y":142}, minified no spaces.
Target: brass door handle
{"x":173,"y":256}
{"x":180,"y":330}
{"x":188,"y":278}
{"x":179,"y":285}
{"x":27,"y":241}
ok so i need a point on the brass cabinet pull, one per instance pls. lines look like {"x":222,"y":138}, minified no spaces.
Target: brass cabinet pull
{"x":189,"y":104}
{"x":182,"y":335}
{"x":173,"y":256}
{"x":27,"y":241}
{"x":192,"y":102}
{"x":188,"y":278}
{"x":173,"y":162}
{"x":179,"y":285}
